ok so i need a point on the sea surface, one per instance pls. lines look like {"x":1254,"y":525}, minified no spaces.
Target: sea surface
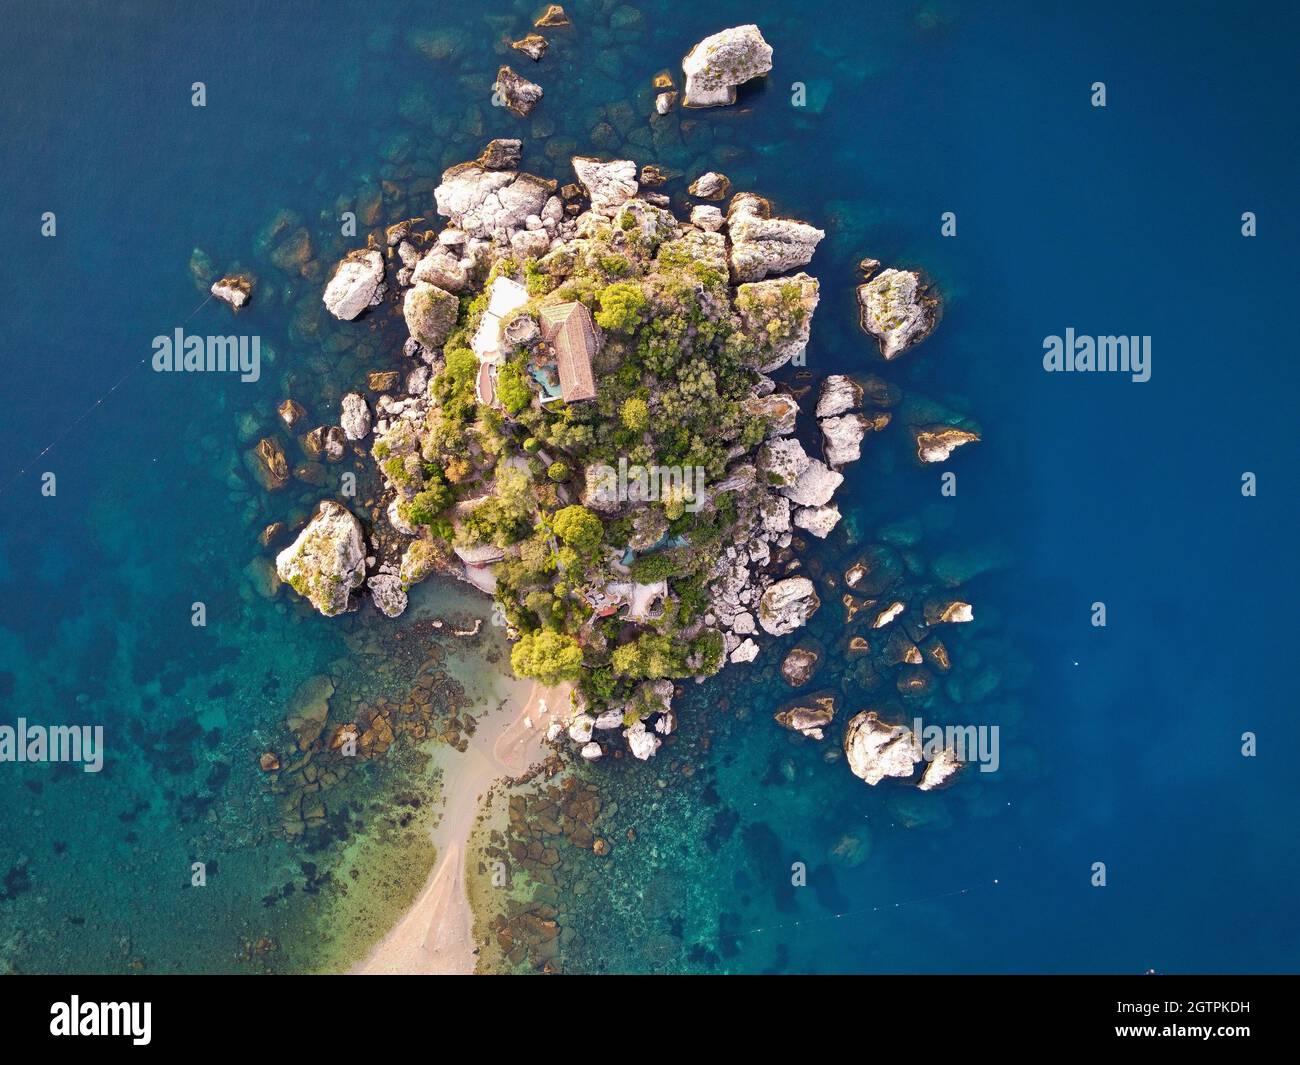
{"x":1120,"y":744}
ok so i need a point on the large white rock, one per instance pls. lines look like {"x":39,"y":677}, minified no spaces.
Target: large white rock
{"x":327,"y":561}
{"x":355,"y":417}
{"x":641,"y":741}
{"x":580,"y":728}
{"x":746,"y":651}
{"x":839,"y":394}
{"x":842,"y":438}
{"x":782,"y":461}
{"x":787,"y":605}
{"x":818,"y":520}
{"x":719,"y":63}
{"x":761,"y":244}
{"x":489,"y":203}
{"x":876,"y":750}
{"x":609,"y":185}
{"x":898,"y":309}
{"x":357,"y":283}
{"x":814,"y":486}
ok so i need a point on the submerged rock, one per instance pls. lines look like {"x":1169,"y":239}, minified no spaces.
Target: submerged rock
{"x":357,"y":283}
{"x":898,"y":308}
{"x":799,"y":665}
{"x":326,"y":563}
{"x":876,"y":750}
{"x":719,"y":63}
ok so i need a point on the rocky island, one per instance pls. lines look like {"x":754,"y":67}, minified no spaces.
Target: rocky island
{"x":589,"y":432}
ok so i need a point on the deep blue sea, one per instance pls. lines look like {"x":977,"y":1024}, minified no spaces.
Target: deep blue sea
{"x":1120,"y":744}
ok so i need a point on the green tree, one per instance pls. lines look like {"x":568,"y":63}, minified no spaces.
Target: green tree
{"x":635,"y":414}
{"x":547,"y":656}
{"x":580,"y":528}
{"x":621,"y":306}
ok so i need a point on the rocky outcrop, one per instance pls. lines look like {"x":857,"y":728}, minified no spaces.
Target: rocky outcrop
{"x":839,"y":394}
{"x":777,"y":316}
{"x":842,"y":438}
{"x":489,"y":203}
{"x":814,"y":486}
{"x":782,"y":461}
{"x":787,"y":605}
{"x":763,"y":245}
{"x":608,"y":185}
{"x":876,"y":750}
{"x":707,"y":217}
{"x":355,"y":416}
{"x":778,"y":410}
{"x":820,"y":521}
{"x":516,"y":93}
{"x":937,"y":443}
{"x":430,"y":314}
{"x":326,"y":563}
{"x":357,"y":283}
{"x":898,"y":308}
{"x":719,"y":63}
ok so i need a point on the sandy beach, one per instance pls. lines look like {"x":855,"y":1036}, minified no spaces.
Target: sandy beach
{"x":435,"y":937}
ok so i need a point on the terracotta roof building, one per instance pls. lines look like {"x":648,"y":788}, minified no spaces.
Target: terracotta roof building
{"x":568,"y":328}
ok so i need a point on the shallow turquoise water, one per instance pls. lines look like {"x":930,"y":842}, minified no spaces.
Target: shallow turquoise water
{"x":1122,"y":220}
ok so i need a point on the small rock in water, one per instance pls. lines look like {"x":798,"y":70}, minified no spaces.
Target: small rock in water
{"x":533,"y":46}
{"x":235,"y":289}
{"x":518,"y":93}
